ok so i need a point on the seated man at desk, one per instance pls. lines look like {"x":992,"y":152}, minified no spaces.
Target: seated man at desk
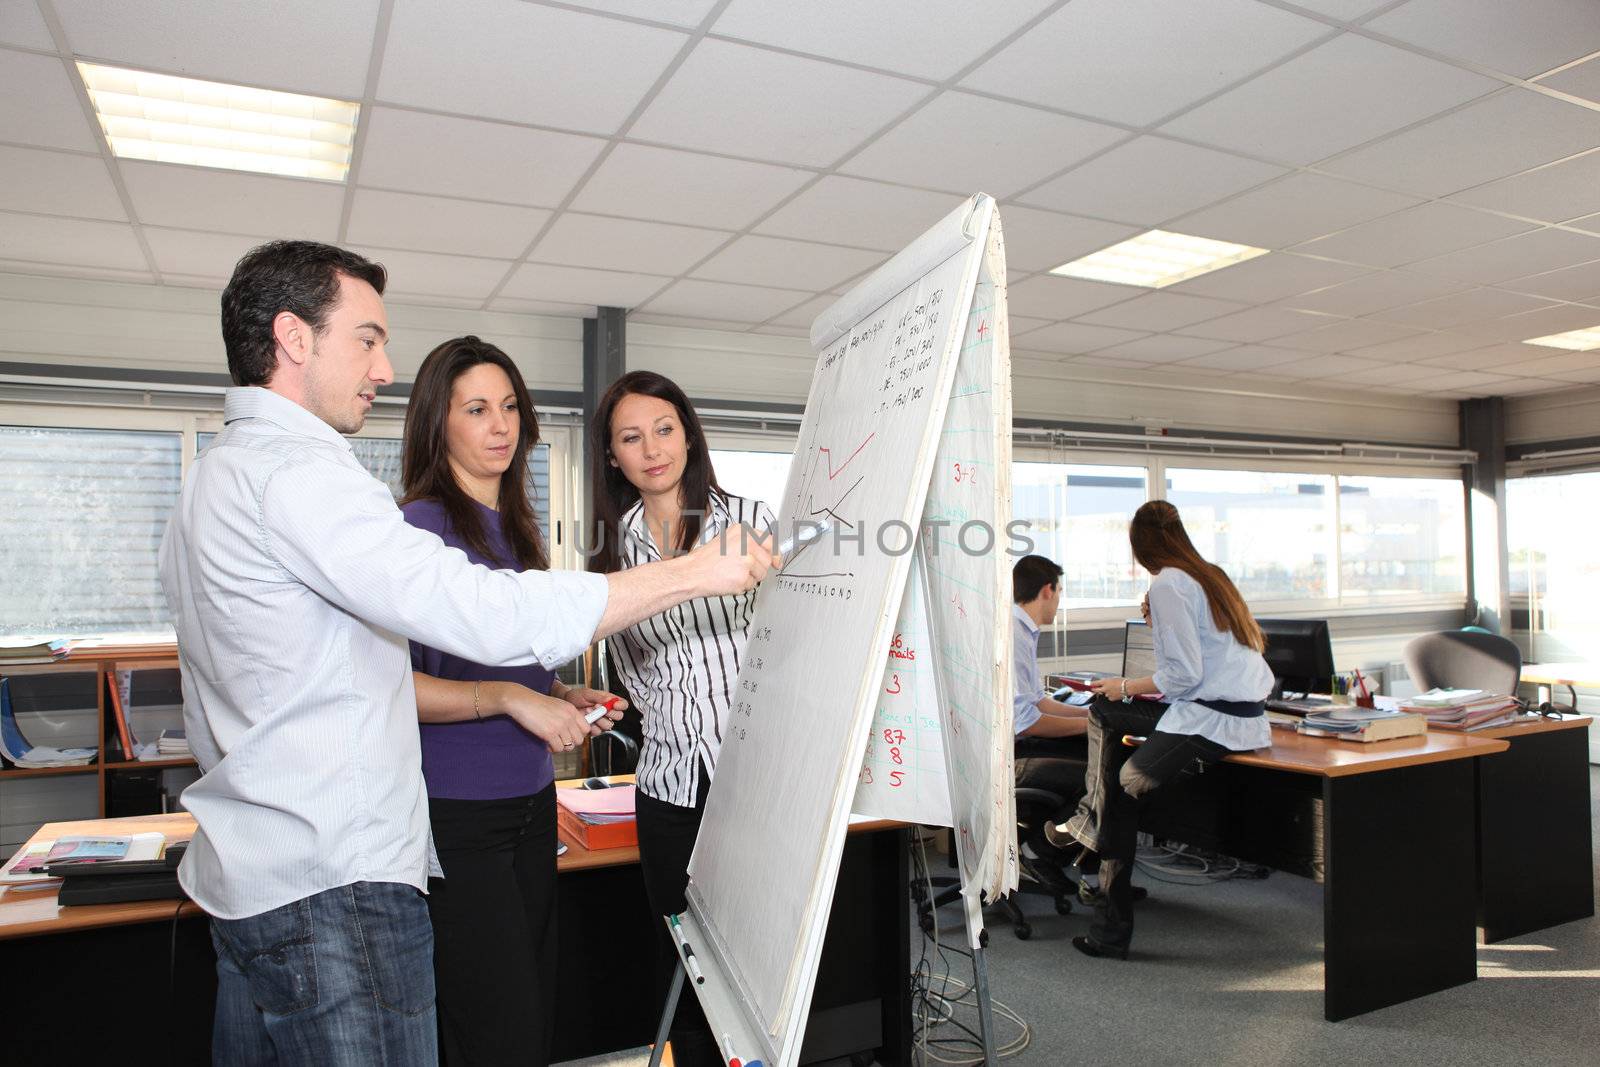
{"x":1055,"y":761}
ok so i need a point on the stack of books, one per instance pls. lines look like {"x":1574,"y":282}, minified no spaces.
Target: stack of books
{"x":1462,"y":709}
{"x":172,"y":744}
{"x":1352,"y":723}
{"x":14,"y":651}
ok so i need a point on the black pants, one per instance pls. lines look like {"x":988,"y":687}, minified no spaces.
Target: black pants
{"x":494,"y":928}
{"x":1119,"y":779}
{"x":666,"y":841}
{"x":1056,"y":765}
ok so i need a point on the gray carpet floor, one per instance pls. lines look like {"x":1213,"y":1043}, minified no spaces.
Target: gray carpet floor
{"x":1231,"y":973}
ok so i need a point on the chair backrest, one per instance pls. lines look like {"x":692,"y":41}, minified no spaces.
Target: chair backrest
{"x":1464,"y":659}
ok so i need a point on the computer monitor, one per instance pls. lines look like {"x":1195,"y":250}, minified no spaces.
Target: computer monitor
{"x":1300,"y":653}
{"x":1138,"y":650}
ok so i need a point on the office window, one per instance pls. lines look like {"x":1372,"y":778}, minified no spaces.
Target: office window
{"x":1077,"y":515}
{"x":1401,"y":537}
{"x":81,"y":518}
{"x":1273,"y":533}
{"x":381,"y":457}
{"x":1550,"y":539}
{"x":756,"y":475}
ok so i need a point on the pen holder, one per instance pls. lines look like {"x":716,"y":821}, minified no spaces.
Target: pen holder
{"x":1340,"y":698}
{"x":1366,"y":702}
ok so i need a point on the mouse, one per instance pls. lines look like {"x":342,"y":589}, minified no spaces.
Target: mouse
{"x":596,"y":783}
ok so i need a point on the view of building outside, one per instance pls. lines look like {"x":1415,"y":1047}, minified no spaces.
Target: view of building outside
{"x":1555,"y":568}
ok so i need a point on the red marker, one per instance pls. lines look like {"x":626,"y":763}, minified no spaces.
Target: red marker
{"x":600,"y":709}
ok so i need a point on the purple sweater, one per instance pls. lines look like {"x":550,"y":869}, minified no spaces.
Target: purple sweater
{"x":493,"y":759}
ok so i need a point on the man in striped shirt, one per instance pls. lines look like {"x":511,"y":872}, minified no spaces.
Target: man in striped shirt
{"x":294,"y":584}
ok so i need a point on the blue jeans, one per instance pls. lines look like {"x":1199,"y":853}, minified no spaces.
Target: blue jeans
{"x":344,"y":977}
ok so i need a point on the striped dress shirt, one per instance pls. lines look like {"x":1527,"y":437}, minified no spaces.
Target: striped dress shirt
{"x":294,"y":583}
{"x":682,"y":665}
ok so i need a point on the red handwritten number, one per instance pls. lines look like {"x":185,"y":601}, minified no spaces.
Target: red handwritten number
{"x":894,"y":754}
{"x":966,"y":474}
{"x":896,"y":778}
{"x":866,"y":776}
{"x":895,"y":737}
{"x":895,"y":683}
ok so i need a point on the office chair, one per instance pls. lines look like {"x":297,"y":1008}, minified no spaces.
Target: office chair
{"x":1464,"y":659}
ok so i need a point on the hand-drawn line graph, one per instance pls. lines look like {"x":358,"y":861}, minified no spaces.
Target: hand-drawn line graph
{"x":810,"y":485}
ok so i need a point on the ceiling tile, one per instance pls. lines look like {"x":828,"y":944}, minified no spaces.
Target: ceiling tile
{"x":1048,"y":296}
{"x":1422,"y":346}
{"x":528,"y":63}
{"x":58,"y":183}
{"x":1412,"y":234}
{"x":1344,"y":335}
{"x":542,"y":307}
{"x":1267,"y":278}
{"x":1503,"y":134}
{"x":803,"y":316}
{"x":421,"y":274}
{"x":199,"y":255}
{"x":1342,"y":9}
{"x":749,"y":102}
{"x":1159,"y":311}
{"x":1462,"y":382}
{"x":1334,"y":97}
{"x":1390,"y":374}
{"x":1256,"y":324}
{"x":1580,"y":283}
{"x":1374,"y":292}
{"x":1588,"y":374}
{"x":689,"y":13}
{"x":1042,"y":240}
{"x":1298,"y":208}
{"x":1079,"y":58}
{"x":1076,"y":338}
{"x":924,"y":38}
{"x":434,"y":224}
{"x":579,"y":285}
{"x":1514,"y":257}
{"x":1488,"y":357}
{"x":1553,"y":193}
{"x":780,"y":262}
{"x":67,"y":270}
{"x":1589,"y":224}
{"x":21,"y":25}
{"x":1163,"y":348}
{"x":38,"y":105}
{"x":1523,"y":386}
{"x":1522,"y":39}
{"x":688,"y":322}
{"x":966,"y":144}
{"x":1134,"y":181}
{"x":1542,"y":366}
{"x":1243,"y":358}
{"x":1321,"y":367}
{"x":851,"y":211}
{"x":1021,"y":324}
{"x":773,"y":330}
{"x":1582,"y":80}
{"x":697,"y":190}
{"x":73,"y":242}
{"x":648,"y":247}
{"x":1542,"y":323}
{"x":449,"y":156}
{"x":1473,"y":305}
{"x":247,"y":44}
{"x":721,"y":300}
{"x":192,"y":198}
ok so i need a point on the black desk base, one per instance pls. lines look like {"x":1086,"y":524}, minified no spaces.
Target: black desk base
{"x":1536,"y":858}
{"x":606,"y":1001}
{"x":1394,"y":849}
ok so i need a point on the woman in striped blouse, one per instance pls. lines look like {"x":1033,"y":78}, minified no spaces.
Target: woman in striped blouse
{"x":656,"y":495}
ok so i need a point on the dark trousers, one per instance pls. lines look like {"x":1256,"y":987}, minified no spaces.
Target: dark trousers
{"x":666,"y":841}
{"x":1055,"y":765}
{"x":494,"y":927}
{"x":1119,"y":779}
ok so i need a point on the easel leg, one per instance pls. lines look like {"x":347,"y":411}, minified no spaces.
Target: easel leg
{"x":978,"y":937}
{"x":667,"y":1013}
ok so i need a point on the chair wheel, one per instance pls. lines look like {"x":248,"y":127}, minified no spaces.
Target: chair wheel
{"x":1063,"y":906}
{"x":1023,"y":931}
{"x":925,"y":921}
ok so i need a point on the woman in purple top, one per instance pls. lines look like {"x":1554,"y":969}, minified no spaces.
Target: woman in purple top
{"x":487,"y":732}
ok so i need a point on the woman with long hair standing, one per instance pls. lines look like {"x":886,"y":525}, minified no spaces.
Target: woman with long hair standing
{"x":1214,"y":682}
{"x":487,"y":732}
{"x":655,"y":496}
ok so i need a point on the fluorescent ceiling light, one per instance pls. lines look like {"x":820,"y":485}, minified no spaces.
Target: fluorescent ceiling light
{"x":1157,"y":258}
{"x":1577,"y":340}
{"x":210,"y":124}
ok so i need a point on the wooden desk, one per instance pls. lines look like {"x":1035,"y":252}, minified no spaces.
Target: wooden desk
{"x":153,"y":960}
{"x":1535,"y":847}
{"x":1570,"y":675}
{"x":1388,"y":827}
